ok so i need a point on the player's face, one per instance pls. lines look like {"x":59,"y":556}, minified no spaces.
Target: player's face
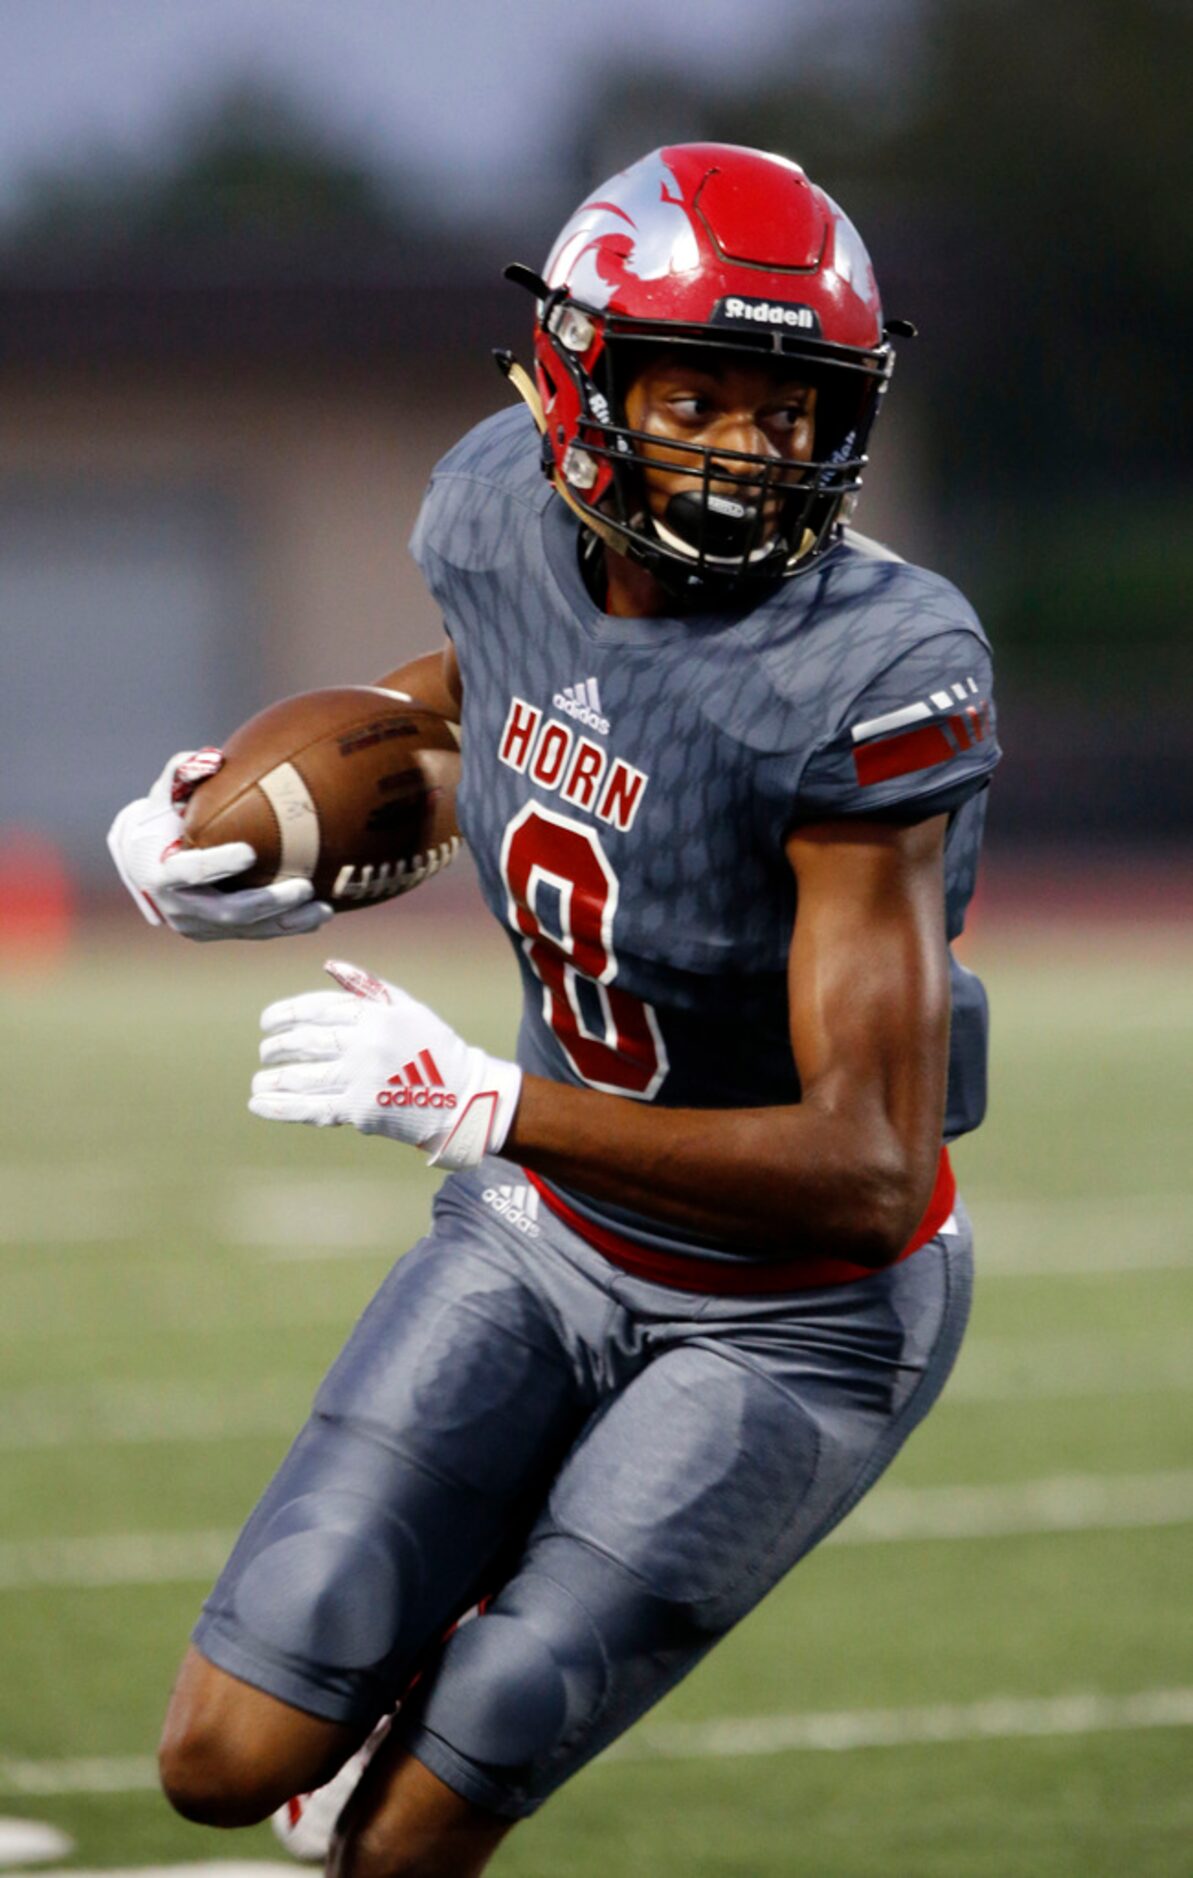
{"x":736,"y":410}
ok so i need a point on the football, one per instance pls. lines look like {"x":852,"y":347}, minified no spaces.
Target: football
{"x":352,"y":788}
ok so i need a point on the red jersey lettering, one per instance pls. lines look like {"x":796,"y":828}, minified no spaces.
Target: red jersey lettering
{"x":518,"y":735}
{"x":622,"y":795}
{"x":588,"y":766}
{"x":551,"y":755}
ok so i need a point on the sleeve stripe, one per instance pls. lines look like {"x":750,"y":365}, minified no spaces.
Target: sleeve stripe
{"x":900,"y":756}
{"x":943,"y":700}
{"x":920,"y":749}
{"x":893,"y":720}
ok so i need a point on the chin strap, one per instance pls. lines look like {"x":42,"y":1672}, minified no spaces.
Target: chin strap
{"x":528,"y":391}
{"x":524,"y":385}
{"x":807,"y":543}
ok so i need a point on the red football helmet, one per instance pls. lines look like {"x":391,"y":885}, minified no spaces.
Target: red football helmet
{"x":708,"y":245}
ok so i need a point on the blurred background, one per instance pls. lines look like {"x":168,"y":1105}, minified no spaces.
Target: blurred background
{"x":250,"y":278}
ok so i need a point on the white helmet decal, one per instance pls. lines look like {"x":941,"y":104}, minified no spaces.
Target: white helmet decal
{"x":851,"y":262}
{"x":646,"y":208}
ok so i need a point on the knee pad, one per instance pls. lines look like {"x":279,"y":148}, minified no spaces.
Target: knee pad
{"x":357,"y":1556}
{"x":534,"y":1670}
{"x":329,"y":1581}
{"x":500,"y":1694}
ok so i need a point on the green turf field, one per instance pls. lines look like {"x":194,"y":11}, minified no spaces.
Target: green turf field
{"x":1003,"y":1632}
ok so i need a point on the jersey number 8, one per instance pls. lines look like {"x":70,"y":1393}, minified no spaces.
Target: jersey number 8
{"x":610,"y":1038}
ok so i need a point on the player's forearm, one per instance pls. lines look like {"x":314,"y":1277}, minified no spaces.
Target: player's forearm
{"x":432,"y":680}
{"x":773,"y":1181}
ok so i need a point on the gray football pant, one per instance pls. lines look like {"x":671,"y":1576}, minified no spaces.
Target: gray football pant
{"x":628,"y":1466}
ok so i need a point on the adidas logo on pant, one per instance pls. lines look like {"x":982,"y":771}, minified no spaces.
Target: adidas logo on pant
{"x":583,"y":702}
{"x":518,"y":1206}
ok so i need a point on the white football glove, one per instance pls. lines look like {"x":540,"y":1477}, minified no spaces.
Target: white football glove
{"x":173,"y":885}
{"x":374,"y":1056}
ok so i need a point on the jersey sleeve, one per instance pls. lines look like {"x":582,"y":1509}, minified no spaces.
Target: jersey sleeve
{"x":918,"y":740}
{"x":447,"y":549}
{"x":475,"y":509}
{"x":432,"y":530}
{"x":422,"y":538}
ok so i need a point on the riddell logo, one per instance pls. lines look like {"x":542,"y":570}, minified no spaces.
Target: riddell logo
{"x":787,"y":313}
{"x":418,"y":1085}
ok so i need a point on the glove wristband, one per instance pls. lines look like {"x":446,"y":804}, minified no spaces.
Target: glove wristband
{"x":486,"y":1115}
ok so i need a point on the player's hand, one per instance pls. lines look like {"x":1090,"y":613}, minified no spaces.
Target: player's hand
{"x":175,"y":886}
{"x":372,"y":1056}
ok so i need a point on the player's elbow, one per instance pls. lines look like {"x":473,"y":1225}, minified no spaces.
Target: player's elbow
{"x":883,"y":1203}
{"x":872,"y":1241}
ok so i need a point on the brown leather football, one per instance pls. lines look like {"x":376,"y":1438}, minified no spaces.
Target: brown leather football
{"x":352,"y":788}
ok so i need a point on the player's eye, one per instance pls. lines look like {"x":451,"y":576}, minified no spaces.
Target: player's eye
{"x":788,"y":418}
{"x":689,"y":407}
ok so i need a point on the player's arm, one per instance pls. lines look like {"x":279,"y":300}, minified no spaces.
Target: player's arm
{"x":432,"y":680}
{"x":849,"y":1170}
{"x":846,"y":1172}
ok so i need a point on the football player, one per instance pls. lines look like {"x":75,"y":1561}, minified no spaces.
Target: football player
{"x":699,"y":1267}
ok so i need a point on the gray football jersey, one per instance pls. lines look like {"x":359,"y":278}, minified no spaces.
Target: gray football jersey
{"x":628,"y":784}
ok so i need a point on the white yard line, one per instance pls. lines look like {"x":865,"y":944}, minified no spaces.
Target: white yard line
{"x":152,"y":1558}
{"x":284,"y":1218}
{"x":32,"y":1842}
{"x":1079,"y":1236}
{"x":130,"y":1414}
{"x":1068,"y":1503}
{"x":1120,"y":1260}
{"x":303,"y":1218}
{"x":95,"y":1203}
{"x":999,"y":1719}
{"x":288,"y":1220}
{"x":1065,"y":1503}
{"x":201,"y":1868}
{"x":38,"y":1317}
{"x":108,"y":1773}
{"x":1019,"y":1369}
{"x":1002,"y":1718}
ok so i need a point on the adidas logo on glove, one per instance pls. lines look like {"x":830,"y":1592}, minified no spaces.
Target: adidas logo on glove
{"x":325,"y":1053}
{"x":410,"y":1089}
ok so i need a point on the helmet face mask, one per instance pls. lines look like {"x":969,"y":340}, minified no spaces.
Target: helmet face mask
{"x":738,"y":516}
{"x":723,"y":255}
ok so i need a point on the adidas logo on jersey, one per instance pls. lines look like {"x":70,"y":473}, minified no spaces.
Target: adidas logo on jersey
{"x":418,"y":1085}
{"x":583,"y":702}
{"x":518,"y":1206}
